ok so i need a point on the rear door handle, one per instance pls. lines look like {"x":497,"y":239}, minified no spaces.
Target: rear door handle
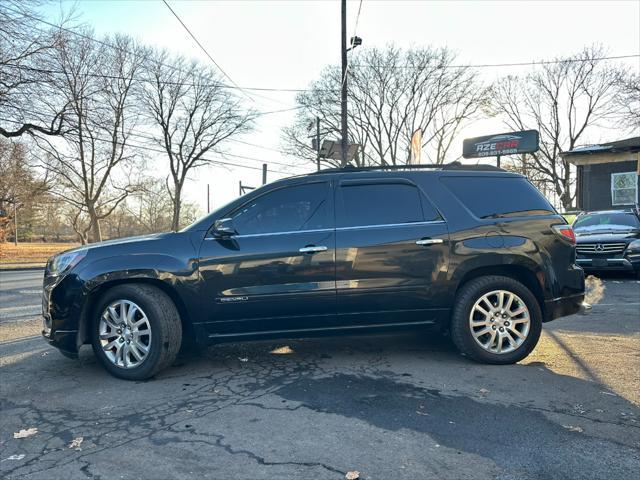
{"x":313,"y":249}
{"x":429,"y":241}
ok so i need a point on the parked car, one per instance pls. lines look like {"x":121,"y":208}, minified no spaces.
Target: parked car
{"x":477,"y":251}
{"x":608,"y":240}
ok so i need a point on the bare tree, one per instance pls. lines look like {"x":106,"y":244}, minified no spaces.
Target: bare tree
{"x":93,"y":161}
{"x":629,"y":99}
{"x":392,"y":93}
{"x":20,"y":189}
{"x":564,"y":101}
{"x":193,"y":114}
{"x":28,"y":101}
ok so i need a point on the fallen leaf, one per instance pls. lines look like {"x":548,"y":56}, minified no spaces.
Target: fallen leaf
{"x":354,"y":475}
{"x":25,"y":433}
{"x":282,"y":350}
{"x":243,"y":359}
{"x":15,"y":457}
{"x":76,"y":442}
{"x":483,"y":391}
{"x":573,"y":428}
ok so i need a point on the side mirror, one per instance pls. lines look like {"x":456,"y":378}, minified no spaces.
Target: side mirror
{"x":224,"y":227}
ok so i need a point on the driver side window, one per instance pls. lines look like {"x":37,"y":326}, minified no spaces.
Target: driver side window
{"x":289,"y":209}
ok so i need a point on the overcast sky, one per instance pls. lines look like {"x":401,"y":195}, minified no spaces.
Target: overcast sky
{"x":285,"y":44}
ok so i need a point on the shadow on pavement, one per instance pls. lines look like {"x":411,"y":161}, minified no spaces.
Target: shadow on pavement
{"x":373,"y":399}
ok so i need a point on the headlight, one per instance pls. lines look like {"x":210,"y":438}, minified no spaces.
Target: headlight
{"x":58,"y":264}
{"x":634,"y":246}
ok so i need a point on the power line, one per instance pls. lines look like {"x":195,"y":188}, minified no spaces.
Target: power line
{"x":515,"y":64}
{"x":164,"y":82}
{"x":114,"y":47}
{"x":149,"y":137}
{"x":157,"y":150}
{"x":202,"y":48}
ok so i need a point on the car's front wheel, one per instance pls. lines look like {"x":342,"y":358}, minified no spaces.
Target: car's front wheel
{"x":136,"y":331}
{"x":496,"y":320}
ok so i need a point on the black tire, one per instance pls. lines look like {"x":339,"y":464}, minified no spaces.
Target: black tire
{"x":466,"y":298}
{"x":165,"y":325}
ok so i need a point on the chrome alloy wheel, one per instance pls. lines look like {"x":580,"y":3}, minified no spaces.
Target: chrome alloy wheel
{"x":500,"y":321}
{"x":125,"y":334}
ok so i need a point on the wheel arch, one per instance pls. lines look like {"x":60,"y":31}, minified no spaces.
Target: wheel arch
{"x":93,"y":298}
{"x":518,"y":272}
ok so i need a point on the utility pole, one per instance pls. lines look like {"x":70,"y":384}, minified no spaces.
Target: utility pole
{"x":343,"y":102}
{"x":264,"y":173}
{"x":208,"y":196}
{"x":318,"y":141}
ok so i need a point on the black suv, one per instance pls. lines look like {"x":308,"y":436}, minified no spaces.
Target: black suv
{"x":608,"y":240}
{"x":475,"y":251}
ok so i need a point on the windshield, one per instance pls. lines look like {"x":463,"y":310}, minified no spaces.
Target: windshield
{"x":605,"y":221}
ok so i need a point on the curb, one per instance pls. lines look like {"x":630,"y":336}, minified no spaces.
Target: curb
{"x":19,"y":267}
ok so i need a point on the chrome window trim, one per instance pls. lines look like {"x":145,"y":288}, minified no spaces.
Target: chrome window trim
{"x":392,"y":225}
{"x":319,"y":230}
{"x":250,"y":235}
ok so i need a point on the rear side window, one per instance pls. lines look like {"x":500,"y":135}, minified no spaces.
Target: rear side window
{"x":495,"y":197}
{"x":289,"y":209}
{"x":383,"y":204}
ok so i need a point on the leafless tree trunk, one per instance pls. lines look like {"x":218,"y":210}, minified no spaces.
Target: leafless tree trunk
{"x":90,"y":161}
{"x":563,"y":101}
{"x":192,"y":114}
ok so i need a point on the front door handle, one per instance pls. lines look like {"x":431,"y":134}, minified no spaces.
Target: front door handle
{"x":313,"y":249}
{"x":428,"y":241}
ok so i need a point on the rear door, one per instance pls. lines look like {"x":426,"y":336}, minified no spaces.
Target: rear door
{"x":391,"y":252}
{"x":278,"y":272}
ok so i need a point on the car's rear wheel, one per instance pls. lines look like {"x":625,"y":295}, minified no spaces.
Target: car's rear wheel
{"x":496,"y":320}
{"x":136,"y":331}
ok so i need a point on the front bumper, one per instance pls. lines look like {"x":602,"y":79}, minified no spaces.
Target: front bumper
{"x":625,"y":263}
{"x":62,"y":305}
{"x":564,"y":306}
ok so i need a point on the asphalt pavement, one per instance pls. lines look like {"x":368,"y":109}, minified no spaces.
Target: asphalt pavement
{"x":390,"y":407}
{"x":20,"y":294}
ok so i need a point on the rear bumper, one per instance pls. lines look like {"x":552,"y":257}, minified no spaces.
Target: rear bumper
{"x":563,"y":306}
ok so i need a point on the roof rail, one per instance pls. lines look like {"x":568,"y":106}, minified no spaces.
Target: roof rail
{"x":444,"y":166}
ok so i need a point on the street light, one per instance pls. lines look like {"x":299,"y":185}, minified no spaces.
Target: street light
{"x":355,"y":42}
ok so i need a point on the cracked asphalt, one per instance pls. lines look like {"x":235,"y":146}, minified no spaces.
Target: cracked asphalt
{"x":393,"y":406}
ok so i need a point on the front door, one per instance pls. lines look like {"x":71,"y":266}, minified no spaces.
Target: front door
{"x":277,"y":273}
{"x":391,"y":253}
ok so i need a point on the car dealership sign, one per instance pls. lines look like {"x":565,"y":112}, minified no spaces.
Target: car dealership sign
{"x":502,"y":144}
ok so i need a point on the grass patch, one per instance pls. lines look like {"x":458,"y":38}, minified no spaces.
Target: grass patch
{"x":31,"y":254}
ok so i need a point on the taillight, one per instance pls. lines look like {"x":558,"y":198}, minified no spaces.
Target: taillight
{"x":566,"y":232}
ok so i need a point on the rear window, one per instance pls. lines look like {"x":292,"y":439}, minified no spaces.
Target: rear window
{"x":495,"y":197}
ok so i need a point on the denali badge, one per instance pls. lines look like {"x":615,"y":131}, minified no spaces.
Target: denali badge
{"x":231,"y":299}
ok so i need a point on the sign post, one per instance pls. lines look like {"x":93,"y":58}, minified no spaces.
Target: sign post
{"x":501,"y":144}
